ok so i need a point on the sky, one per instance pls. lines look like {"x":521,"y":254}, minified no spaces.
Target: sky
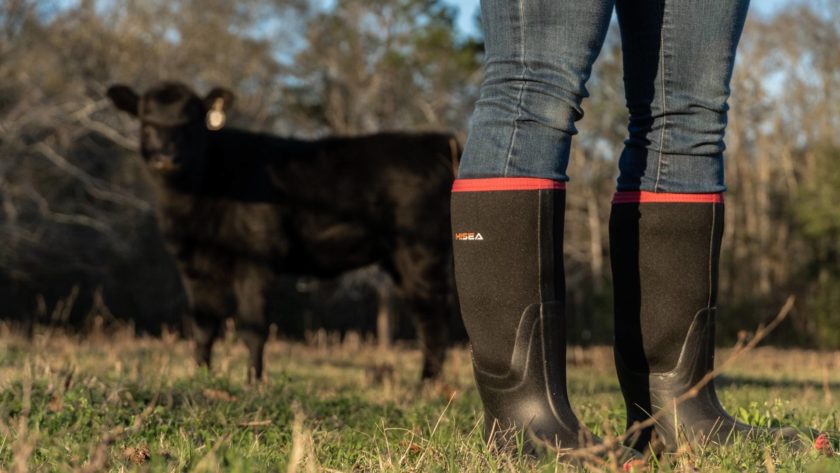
{"x":467,"y":10}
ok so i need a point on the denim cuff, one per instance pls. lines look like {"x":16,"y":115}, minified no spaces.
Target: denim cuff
{"x":649,"y":170}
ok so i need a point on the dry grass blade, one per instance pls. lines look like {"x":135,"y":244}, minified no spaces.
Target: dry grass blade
{"x":303,"y":451}
{"x":25,"y":443}
{"x":255,"y":423}
{"x":208,"y":462}
{"x":434,"y":429}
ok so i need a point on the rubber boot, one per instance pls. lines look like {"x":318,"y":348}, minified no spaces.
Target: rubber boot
{"x":665,"y":250}
{"x":508,"y":241}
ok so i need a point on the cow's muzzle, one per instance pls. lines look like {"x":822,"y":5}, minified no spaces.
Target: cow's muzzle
{"x":163,"y":164}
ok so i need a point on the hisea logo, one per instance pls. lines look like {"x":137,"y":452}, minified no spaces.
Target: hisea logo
{"x":468,"y":236}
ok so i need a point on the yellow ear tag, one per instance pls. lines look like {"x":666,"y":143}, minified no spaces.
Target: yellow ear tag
{"x":216,"y":115}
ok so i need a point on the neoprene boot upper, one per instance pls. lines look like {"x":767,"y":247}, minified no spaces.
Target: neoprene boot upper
{"x":665,"y":251}
{"x":508,"y":240}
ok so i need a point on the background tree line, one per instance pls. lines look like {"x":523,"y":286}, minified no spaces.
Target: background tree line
{"x":77,"y":229}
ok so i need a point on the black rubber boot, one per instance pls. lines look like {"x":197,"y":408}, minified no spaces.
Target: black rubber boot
{"x":508,"y":242}
{"x":665,"y":250}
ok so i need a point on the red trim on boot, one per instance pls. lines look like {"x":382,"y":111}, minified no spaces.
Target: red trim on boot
{"x":506,"y":184}
{"x":645,"y":197}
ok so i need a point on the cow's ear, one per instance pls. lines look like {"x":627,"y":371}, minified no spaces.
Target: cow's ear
{"x":219,"y":98}
{"x":124,"y":98}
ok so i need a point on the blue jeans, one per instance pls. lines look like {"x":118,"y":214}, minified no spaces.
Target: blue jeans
{"x":678,"y":59}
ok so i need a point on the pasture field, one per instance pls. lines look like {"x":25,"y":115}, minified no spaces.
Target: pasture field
{"x":123,"y":403}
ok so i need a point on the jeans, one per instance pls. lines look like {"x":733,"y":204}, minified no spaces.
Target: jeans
{"x":678,"y":59}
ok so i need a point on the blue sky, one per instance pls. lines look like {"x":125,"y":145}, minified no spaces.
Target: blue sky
{"x":467,"y":10}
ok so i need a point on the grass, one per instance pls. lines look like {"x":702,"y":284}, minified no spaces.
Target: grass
{"x":123,"y":403}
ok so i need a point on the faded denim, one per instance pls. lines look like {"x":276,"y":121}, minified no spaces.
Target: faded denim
{"x":678,"y":60}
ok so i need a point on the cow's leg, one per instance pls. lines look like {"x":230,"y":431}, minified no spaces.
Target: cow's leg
{"x":430,"y":317}
{"x":423,"y":284}
{"x":208,"y":308}
{"x":205,"y":329}
{"x":25,"y":303}
{"x":251,"y":320}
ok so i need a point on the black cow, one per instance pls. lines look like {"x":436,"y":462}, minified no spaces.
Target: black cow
{"x":240,"y":208}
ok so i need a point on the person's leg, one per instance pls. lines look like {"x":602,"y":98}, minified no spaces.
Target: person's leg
{"x":667,"y":216}
{"x":678,"y":61}
{"x":508,"y":206}
{"x":539,"y":55}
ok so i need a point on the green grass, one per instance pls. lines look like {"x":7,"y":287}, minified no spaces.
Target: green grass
{"x":122,"y":403}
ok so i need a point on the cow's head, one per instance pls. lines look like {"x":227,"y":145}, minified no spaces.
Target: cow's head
{"x":174,"y":123}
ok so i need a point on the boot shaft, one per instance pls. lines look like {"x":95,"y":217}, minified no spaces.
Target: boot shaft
{"x":508,"y":248}
{"x":664,"y":258}
{"x":664,"y":253}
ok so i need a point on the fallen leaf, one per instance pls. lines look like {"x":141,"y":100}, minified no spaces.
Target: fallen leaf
{"x":411,"y":446}
{"x":217,"y":395}
{"x":56,"y":404}
{"x":137,"y":455}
